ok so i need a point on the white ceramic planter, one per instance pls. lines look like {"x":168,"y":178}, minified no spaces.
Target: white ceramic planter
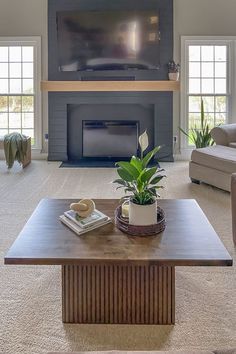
{"x":142,"y":214}
{"x":174,"y":76}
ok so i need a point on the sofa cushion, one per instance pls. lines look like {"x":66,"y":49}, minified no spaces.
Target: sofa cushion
{"x":219,"y":157}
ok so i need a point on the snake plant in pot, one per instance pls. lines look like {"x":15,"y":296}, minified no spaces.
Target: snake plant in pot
{"x":141,"y":183}
{"x":200,"y":136}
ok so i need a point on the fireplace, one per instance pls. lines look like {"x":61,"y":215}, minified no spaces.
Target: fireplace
{"x":112,"y":135}
{"x":151,"y":110}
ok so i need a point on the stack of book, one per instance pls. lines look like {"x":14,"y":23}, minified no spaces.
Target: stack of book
{"x":82,"y":225}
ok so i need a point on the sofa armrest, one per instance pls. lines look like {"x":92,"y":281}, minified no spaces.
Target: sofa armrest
{"x":224,"y":134}
{"x":233,"y":205}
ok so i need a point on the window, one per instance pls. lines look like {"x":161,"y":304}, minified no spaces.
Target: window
{"x":205,"y":75}
{"x":19,"y":87}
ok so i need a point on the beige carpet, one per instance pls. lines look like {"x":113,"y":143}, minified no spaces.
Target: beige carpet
{"x":30,"y":303}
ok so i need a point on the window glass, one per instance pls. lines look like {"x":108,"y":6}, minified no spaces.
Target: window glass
{"x":207,"y":80}
{"x":17,"y":94}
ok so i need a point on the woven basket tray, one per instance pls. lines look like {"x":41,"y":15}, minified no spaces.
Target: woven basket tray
{"x":135,"y":230}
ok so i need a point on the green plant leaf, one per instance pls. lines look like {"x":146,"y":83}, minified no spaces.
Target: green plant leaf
{"x":120,"y":181}
{"x":148,"y":174}
{"x":119,"y":187}
{"x":154,"y":192}
{"x":202,"y":113}
{"x":156,"y":179}
{"x":182,"y":131}
{"x":129,"y":189}
{"x":137,"y":163}
{"x":149,"y":156}
{"x":124,"y":175}
{"x":140,"y":185}
{"x":129,"y":168}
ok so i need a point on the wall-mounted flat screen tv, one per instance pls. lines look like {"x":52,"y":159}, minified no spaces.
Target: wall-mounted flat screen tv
{"x":108,"y":40}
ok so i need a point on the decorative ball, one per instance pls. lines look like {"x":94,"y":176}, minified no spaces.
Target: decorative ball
{"x":84,"y":207}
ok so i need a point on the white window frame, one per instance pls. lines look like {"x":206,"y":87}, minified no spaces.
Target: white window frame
{"x":230,"y":42}
{"x":34,"y":41}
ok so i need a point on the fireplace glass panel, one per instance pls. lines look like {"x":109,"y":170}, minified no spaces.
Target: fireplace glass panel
{"x":110,"y":139}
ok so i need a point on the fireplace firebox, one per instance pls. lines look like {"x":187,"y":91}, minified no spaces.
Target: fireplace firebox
{"x":110,"y":140}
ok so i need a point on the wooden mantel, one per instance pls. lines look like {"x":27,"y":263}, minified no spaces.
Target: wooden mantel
{"x":83,"y":86}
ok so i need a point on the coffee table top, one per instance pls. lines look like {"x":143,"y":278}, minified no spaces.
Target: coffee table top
{"x":188,"y":240}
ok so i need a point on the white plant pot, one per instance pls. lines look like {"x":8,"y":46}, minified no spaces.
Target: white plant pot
{"x":174,"y":76}
{"x":142,"y":214}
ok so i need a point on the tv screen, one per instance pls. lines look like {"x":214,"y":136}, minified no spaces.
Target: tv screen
{"x":108,"y":40}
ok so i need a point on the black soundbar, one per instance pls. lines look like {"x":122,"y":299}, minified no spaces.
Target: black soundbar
{"x":108,"y":78}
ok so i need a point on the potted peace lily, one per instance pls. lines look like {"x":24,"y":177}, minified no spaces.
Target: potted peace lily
{"x":142,"y":184}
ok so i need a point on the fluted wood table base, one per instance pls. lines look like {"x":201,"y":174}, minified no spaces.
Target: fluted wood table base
{"x":116,"y":294}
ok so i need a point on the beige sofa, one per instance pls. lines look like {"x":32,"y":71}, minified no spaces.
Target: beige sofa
{"x":214,"y":165}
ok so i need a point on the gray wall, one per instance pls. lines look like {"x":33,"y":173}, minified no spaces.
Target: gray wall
{"x":191,"y":17}
{"x":27,"y":18}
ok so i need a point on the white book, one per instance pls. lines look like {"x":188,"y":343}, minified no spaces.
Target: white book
{"x":79,"y":230}
{"x":95,"y":218}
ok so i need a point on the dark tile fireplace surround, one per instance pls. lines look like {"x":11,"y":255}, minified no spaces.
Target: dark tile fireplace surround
{"x":153,"y":110}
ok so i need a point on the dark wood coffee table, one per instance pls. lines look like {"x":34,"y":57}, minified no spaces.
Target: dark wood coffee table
{"x":110,"y":277}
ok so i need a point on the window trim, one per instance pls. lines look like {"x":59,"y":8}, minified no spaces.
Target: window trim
{"x":36,"y":42}
{"x":230,"y":41}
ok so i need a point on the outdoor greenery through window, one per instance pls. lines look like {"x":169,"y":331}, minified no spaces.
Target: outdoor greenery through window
{"x":207,"y":80}
{"x":17,"y":90}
